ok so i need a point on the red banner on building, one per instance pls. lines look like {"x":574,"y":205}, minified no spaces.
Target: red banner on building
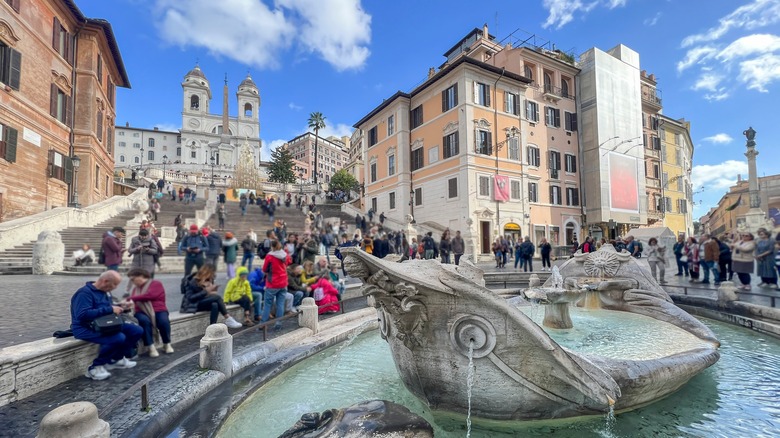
{"x":501,"y":188}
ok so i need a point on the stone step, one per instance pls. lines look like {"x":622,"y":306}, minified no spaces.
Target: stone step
{"x":15,"y":270}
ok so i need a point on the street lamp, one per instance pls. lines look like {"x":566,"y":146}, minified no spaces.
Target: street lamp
{"x":76,"y":161}
{"x":213,"y":162}
{"x":141,"y":167}
{"x":165,"y":161}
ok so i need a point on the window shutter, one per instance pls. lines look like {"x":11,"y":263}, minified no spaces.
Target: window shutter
{"x":51,"y":163}
{"x":69,"y":111}
{"x":15,"y":77}
{"x":55,"y":35}
{"x":99,"y":130}
{"x":644,"y":140}
{"x":552,"y":195}
{"x":573,"y":121}
{"x":444,"y":101}
{"x":68,"y":169}
{"x":487,"y":95}
{"x":506,"y":101}
{"x":576,"y":194}
{"x":53,"y":101}
{"x":547,"y":115}
{"x":69,"y":48}
{"x":15,"y":5}
{"x":476,"y":92}
{"x":517,"y":105}
{"x":11,"y":137}
{"x":574,"y":163}
{"x":557,"y":120}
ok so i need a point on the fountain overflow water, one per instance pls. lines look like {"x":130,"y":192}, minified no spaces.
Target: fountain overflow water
{"x":469,"y":385}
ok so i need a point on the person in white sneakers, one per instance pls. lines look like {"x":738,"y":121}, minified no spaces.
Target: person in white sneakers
{"x":200,"y":293}
{"x":91,"y":302}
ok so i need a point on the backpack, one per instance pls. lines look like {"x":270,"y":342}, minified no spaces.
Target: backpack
{"x":262,"y":250}
{"x":186,"y":279}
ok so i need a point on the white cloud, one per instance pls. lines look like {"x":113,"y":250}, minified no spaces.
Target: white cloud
{"x":717,"y":177}
{"x":338,"y":130}
{"x":652,"y":21}
{"x":269,"y":146}
{"x":562,"y":12}
{"x":753,"y":55}
{"x":253,"y":33}
{"x":294,"y":107}
{"x":167,"y":127}
{"x":721,"y":138}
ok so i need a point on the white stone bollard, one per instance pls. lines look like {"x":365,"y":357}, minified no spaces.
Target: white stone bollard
{"x":219,"y":349}
{"x":308,"y":316}
{"x":48,"y":253}
{"x":74,"y":420}
{"x":727,"y":291}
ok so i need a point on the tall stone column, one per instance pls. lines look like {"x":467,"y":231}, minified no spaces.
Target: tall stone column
{"x":755,"y":218}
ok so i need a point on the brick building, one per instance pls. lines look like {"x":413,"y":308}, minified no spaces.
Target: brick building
{"x":58,"y":75}
{"x":333,"y":151}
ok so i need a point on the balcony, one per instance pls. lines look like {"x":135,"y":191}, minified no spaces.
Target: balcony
{"x":655,"y":215}
{"x":652,"y":183}
{"x":652,"y":98}
{"x":554,"y":94}
{"x":655,"y":153}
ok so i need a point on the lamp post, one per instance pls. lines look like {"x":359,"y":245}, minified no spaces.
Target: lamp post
{"x":141,"y":167}
{"x":411,"y":204}
{"x":213,"y":162}
{"x":76,"y":161}
{"x":165,"y":161}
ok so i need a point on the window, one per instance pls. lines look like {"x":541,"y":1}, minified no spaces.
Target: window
{"x":554,"y":162}
{"x":418,"y":196}
{"x":528,"y":72}
{"x":656,"y":141}
{"x":374,"y":204}
{"x":484,"y":142}
{"x":514,"y":149}
{"x":390,"y":125}
{"x":564,"y":88}
{"x":61,"y":40}
{"x":372,"y":137}
{"x":449,"y":98}
{"x":10,"y":66}
{"x":682,"y":206}
{"x":60,"y":167}
{"x":136,"y":134}
{"x":484,"y":186}
{"x":417,"y":159}
{"x":100,"y":68}
{"x":679,"y":184}
{"x":481,"y":94}
{"x":136,"y":160}
{"x":391,"y":200}
{"x":137,"y":145}
{"x":193,"y":154}
{"x":121,"y":133}
{"x":122,"y":144}
{"x":111,"y":92}
{"x":570,"y":120}
{"x":150,"y":155}
{"x":391,"y":165}
{"x":571,"y":163}
{"x":8,"y":139}
{"x":654,"y":123}
{"x":247,"y":110}
{"x":99,"y":126}
{"x":97,"y":176}
{"x":668,"y":204}
{"x":450,"y":142}
{"x":547,"y":83}
{"x":60,"y":107}
{"x":13,"y":4}
{"x":572,"y":196}
{"x":678,"y":157}
{"x":552,"y":116}
{"x":534,"y":157}
{"x":555,"y":195}
{"x":531,"y":111}
{"x":664,"y":180}
{"x":372,"y":171}
{"x":110,"y":137}
{"x":121,"y":158}
{"x":533,"y":192}
{"x":511,"y":103}
{"x":417,"y":117}
{"x":194,"y":102}
{"x":178,"y":152}
{"x":656,"y":170}
{"x":452,"y":188}
{"x":515,"y":190}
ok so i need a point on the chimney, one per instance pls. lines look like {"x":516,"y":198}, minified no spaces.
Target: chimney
{"x":652,"y":77}
{"x":739,"y":178}
{"x":644,"y":73}
{"x":156,"y":128}
{"x":431,"y":72}
{"x":485,"y":31}
{"x":127,"y":124}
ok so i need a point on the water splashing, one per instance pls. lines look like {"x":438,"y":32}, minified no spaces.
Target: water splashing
{"x":557,"y":279}
{"x":469,"y":384}
{"x":609,"y":426}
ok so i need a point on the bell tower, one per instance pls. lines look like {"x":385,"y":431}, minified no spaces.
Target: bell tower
{"x":196,"y":93}
{"x":248,"y":108}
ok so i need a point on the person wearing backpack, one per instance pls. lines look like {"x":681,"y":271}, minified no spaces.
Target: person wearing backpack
{"x":527,"y":250}
{"x":724,"y":259}
{"x":265,"y":247}
{"x":248,"y":245}
{"x":230,"y":248}
{"x":194,"y":245}
{"x":215,"y":246}
{"x":429,"y":245}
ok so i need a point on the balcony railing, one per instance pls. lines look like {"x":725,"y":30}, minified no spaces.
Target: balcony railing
{"x":652,"y":183}
{"x":651,"y":97}
{"x":559,"y":92}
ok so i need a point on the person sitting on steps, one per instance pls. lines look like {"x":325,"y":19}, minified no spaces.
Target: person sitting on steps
{"x":201,"y":294}
{"x":84,"y":256}
{"x":239,"y":291}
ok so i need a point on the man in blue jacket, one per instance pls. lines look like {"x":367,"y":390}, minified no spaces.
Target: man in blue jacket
{"x":194,"y":245}
{"x":90,"y":302}
{"x":257,"y":283}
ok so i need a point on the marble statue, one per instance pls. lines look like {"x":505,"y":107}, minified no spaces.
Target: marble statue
{"x":434,"y":318}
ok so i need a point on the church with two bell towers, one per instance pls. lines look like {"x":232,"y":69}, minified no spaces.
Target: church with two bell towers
{"x":205,"y":135}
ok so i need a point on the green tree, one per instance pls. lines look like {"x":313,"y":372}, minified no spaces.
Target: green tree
{"x":280,"y":169}
{"x":316,"y":122}
{"x":343,"y":180}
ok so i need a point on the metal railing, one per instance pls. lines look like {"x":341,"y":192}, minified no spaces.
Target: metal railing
{"x":773,"y":298}
{"x":143,"y":384}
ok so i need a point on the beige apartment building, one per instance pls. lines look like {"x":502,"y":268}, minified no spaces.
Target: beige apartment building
{"x":486,"y":145}
{"x":729,"y":215}
{"x":333,"y":155}
{"x":58,"y":76}
{"x":676,"y":192}
{"x":652,"y":141}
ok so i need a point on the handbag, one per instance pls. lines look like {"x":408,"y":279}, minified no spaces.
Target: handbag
{"x":684,"y":259}
{"x":107,"y":325}
{"x":319,"y":294}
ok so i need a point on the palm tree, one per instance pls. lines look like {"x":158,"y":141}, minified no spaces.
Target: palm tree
{"x":316,"y":122}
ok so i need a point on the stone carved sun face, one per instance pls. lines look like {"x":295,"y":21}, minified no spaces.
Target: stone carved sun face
{"x":601,"y":264}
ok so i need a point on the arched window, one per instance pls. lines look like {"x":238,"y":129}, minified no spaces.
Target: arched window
{"x":565,"y":89}
{"x":151,"y":142}
{"x":528,"y":72}
{"x":547,"y":82}
{"x":248,"y":110}
{"x":178,"y":152}
{"x":136,"y":160}
{"x":121,"y":158}
{"x":150,"y":155}
{"x":194,"y":102}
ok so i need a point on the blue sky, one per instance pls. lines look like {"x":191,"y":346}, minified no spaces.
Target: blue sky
{"x":717,"y":61}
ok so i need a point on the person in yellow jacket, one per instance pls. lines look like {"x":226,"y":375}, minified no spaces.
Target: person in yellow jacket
{"x":239,"y":291}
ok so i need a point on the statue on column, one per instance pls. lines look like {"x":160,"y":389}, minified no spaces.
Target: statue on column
{"x":751,"y":154}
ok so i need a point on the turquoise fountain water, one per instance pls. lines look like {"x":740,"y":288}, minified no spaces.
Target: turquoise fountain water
{"x":735,"y":397}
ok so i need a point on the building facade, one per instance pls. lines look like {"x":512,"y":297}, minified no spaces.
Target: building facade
{"x":138,"y":148}
{"x":652,"y":140}
{"x":610,"y":133}
{"x":676,"y":190}
{"x":333,"y":155}
{"x":58,"y":76}
{"x":729,"y":215}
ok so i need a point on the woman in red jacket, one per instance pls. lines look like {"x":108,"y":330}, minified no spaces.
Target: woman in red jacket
{"x":275,"y":269}
{"x":149,"y":298}
{"x":329,"y":295}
